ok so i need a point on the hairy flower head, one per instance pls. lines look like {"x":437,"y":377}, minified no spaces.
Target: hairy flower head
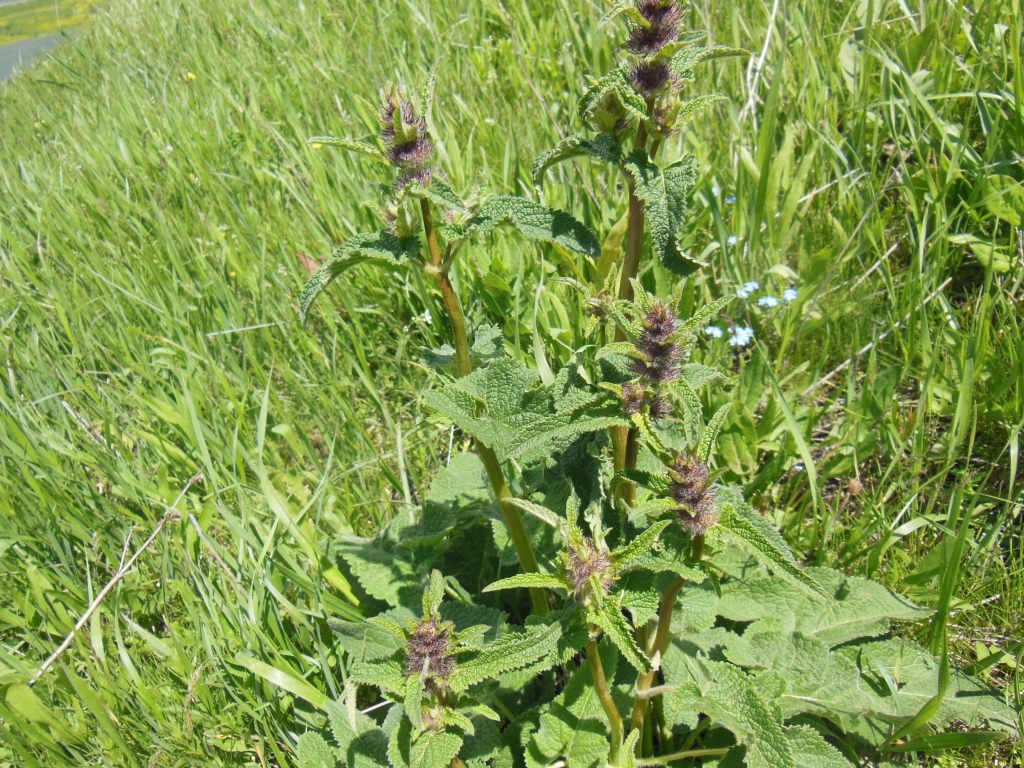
{"x":404,"y":133}
{"x":650,"y":77}
{"x":663,"y":18}
{"x":428,"y":652}
{"x":688,"y":483}
{"x":586,"y":564}
{"x":660,"y":361}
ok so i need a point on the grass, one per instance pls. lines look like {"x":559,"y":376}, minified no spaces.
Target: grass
{"x":38,"y":18}
{"x":151,"y":240}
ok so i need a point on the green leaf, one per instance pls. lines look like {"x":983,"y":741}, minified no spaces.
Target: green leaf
{"x":602,"y":147}
{"x":281,"y":678}
{"x":507,"y":654}
{"x":352,"y":146}
{"x":629,"y":750}
{"x":572,"y":729}
{"x":696,"y":321}
{"x":371,"y":640}
{"x":664,"y":193}
{"x":438,"y":192}
{"x":748,"y":529}
{"x":312,"y":751}
{"x":433,"y":594}
{"x":361,"y":743}
{"x":810,"y":750}
{"x":540,"y":512}
{"x":409,"y":748}
{"x":683,"y":62}
{"x":627,"y":9}
{"x":939,"y":742}
{"x":726,"y":695}
{"x":693,"y":107}
{"x":376,"y":247}
{"x":535,"y":222}
{"x":386,"y":675}
{"x":615,"y":627}
{"x":527,"y":581}
{"x":632,"y":553}
{"x":613,"y":85}
{"x":714,"y":426}
{"x":856,"y":608}
{"x":412,"y":700}
{"x":693,"y":411}
{"x":502,"y":407}
{"x":385,"y":575}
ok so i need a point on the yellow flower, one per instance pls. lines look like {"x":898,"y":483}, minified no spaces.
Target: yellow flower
{"x":316,"y":145}
{"x":190,"y":76}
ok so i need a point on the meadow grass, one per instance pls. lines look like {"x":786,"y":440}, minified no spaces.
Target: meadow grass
{"x":160,"y":207}
{"x":38,"y":18}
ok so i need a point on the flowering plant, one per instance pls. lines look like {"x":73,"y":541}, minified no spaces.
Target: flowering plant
{"x":580,"y":587}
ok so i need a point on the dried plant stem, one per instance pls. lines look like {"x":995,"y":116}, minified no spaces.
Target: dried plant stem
{"x":657,"y":647}
{"x":464,"y":366}
{"x":170,"y":513}
{"x":604,"y":694}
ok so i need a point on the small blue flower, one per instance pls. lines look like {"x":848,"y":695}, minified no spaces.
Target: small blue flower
{"x":715,"y":190}
{"x":768,"y":301}
{"x":742,"y":293}
{"x":713,"y":331}
{"x":733,"y":239}
{"x":730,"y":199}
{"x":741,"y":336}
{"x":751,"y":286}
{"x":789,"y":294}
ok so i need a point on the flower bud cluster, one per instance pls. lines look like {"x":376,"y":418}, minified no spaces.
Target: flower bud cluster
{"x":428,"y":652}
{"x":652,"y":75}
{"x":587,"y":563}
{"x":688,"y":483}
{"x":658,"y":364}
{"x":407,"y":143}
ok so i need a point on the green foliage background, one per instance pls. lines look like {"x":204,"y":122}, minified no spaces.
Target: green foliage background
{"x":153,"y":238}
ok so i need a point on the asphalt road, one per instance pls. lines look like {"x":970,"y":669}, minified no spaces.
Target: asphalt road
{"x":17,"y":55}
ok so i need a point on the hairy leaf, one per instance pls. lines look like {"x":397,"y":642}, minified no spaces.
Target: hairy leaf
{"x":386,"y":675}
{"x":639,"y":548}
{"x":352,"y":146}
{"x":526,"y":581}
{"x":376,"y":247}
{"x":856,"y":608}
{"x":535,"y":222}
{"x":612,"y":85}
{"x":615,"y":627}
{"x":664,"y":193}
{"x":361,"y":743}
{"x":810,"y":750}
{"x":753,"y":533}
{"x":312,"y":751}
{"x":507,"y":654}
{"x":602,"y":147}
{"x":714,"y":426}
{"x":684,"y":61}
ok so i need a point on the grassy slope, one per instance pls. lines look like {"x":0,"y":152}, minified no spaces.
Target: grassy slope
{"x":151,"y":219}
{"x":38,"y":18}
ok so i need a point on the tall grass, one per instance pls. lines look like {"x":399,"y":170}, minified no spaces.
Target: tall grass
{"x":159,"y":211}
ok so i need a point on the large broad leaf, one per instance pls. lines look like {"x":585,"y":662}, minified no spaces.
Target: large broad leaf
{"x":810,"y":750}
{"x":533,"y":220}
{"x":503,"y":407}
{"x":856,"y":608}
{"x":376,"y":247}
{"x":905,"y":677}
{"x":507,"y":654}
{"x":664,"y":193}
{"x":312,"y":751}
{"x":812,"y":678}
{"x":602,"y":147}
{"x":384,"y":574}
{"x":573,"y":728}
{"x":410,"y":748}
{"x":361,"y":743}
{"x":745,"y":527}
{"x":732,"y":700}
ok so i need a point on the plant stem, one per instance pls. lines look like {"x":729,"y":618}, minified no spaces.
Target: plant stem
{"x":605,"y":696}
{"x":464,"y":366}
{"x":437,"y":268}
{"x":666,"y":759}
{"x":657,"y":646}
